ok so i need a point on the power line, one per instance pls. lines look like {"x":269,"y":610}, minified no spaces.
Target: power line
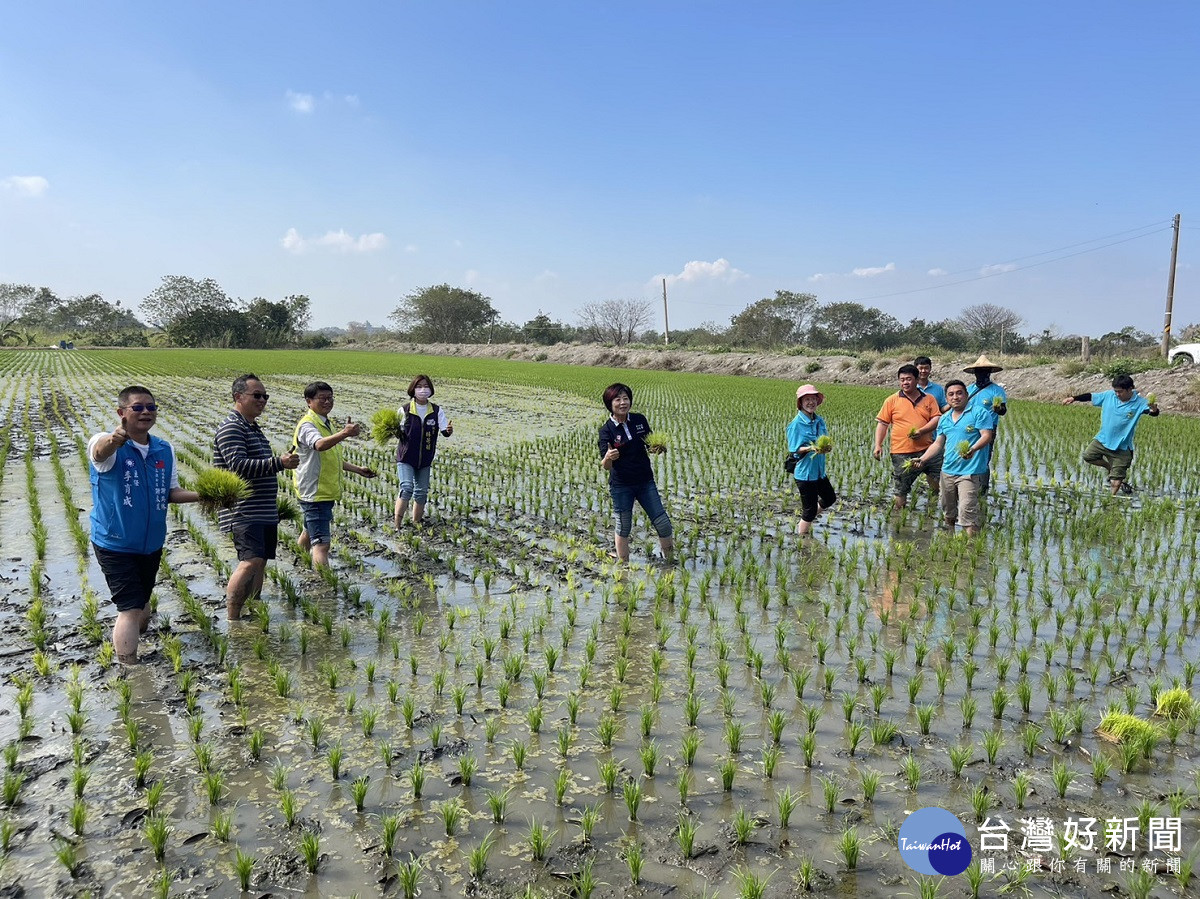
{"x":1158,"y":227}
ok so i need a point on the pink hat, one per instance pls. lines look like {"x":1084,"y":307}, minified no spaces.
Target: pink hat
{"x":809,"y":390}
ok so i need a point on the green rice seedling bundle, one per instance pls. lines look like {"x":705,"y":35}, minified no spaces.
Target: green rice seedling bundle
{"x":1174,"y":703}
{"x":386,"y":425}
{"x":964,"y":448}
{"x":1151,"y":399}
{"x":1122,"y":727}
{"x":997,"y":403}
{"x":823,"y":444}
{"x":220,"y":489}
{"x":657,"y":442}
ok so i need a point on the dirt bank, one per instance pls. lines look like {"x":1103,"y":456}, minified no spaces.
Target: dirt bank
{"x":1178,"y":389}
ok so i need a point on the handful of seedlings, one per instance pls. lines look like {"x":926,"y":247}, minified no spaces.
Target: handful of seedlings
{"x":1174,"y":703}
{"x":823,"y":444}
{"x":1122,"y":727}
{"x":220,"y":489}
{"x":909,"y":465}
{"x":913,"y":433}
{"x":964,"y":448}
{"x":386,"y":424}
{"x":656,"y":442}
{"x":997,"y":403}
{"x":1151,"y":399}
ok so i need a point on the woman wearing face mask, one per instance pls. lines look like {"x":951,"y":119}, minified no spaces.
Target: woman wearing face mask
{"x":423,"y":421}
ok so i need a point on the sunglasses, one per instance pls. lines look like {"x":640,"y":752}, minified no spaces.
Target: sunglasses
{"x":143,"y":407}
{"x":258,"y":396}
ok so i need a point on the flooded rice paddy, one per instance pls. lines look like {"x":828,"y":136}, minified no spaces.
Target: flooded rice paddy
{"x":488,"y":706}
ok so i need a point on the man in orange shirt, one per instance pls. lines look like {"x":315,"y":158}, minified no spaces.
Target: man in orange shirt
{"x":913,"y":417}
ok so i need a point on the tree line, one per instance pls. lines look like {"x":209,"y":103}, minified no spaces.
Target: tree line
{"x":181,"y":311}
{"x":189,"y":312}
{"x":785,"y":321}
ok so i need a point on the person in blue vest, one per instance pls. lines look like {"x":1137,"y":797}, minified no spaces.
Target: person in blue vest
{"x":1120,"y":411}
{"x":318,"y":477}
{"x":987,"y":392}
{"x":963,"y":434}
{"x":422,"y":422}
{"x":134,"y":476}
{"x":803,"y":439}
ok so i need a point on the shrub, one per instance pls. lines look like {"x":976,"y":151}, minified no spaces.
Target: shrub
{"x":1071,"y":369}
{"x":811,"y":367}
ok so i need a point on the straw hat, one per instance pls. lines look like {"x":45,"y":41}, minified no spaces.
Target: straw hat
{"x":981,"y":364}
{"x":809,"y":390}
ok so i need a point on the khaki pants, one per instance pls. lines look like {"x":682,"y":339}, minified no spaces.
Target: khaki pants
{"x":960,"y":498}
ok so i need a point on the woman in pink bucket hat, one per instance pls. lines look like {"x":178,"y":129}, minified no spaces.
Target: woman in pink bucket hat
{"x":809,"y":442}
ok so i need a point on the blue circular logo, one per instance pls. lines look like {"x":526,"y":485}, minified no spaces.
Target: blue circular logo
{"x":933,"y":841}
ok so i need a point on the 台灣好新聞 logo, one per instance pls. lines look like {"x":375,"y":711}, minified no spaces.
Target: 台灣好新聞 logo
{"x":933,"y":841}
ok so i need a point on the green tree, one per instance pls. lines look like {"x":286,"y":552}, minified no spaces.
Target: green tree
{"x":854,"y":326}
{"x":543,"y":330}
{"x":781,"y":320}
{"x":445,"y":314}
{"x":179,"y":296}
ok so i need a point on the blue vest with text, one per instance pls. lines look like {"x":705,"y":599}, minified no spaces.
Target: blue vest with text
{"x":129,"y":501}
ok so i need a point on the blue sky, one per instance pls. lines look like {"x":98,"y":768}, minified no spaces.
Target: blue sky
{"x":919,"y":157}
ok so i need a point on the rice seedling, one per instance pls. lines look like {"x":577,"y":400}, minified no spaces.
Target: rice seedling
{"x":849,"y":846}
{"x":911,"y":769}
{"x":222,"y":826}
{"x":634,"y":862}
{"x":310,"y":850}
{"x":632,"y":793}
{"x":409,"y":875}
{"x":497,"y":802}
{"x":1022,"y":781}
{"x":243,"y":865}
{"x":416,"y":778}
{"x":539,"y":838}
{"x":289,"y":808}
{"x":156,"y":830}
{"x":959,"y":756}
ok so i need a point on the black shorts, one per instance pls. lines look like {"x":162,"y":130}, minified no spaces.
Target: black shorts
{"x":130,"y":576}
{"x":814,"y":492}
{"x":255,"y":540}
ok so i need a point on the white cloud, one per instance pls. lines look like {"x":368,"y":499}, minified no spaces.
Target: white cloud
{"x":334,"y":241}
{"x":471,"y":276}
{"x":25,"y":185}
{"x":862,"y":272}
{"x":697,"y":271}
{"x":874,"y":271}
{"x":937,"y":272}
{"x":302,"y":103}
{"x":997,"y":269}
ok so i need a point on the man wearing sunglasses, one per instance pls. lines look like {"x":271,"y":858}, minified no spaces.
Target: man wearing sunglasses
{"x":134,"y":476}
{"x":241,"y":447}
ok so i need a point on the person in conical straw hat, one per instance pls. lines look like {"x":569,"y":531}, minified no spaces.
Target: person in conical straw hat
{"x":809,"y":442}
{"x":986,"y":392}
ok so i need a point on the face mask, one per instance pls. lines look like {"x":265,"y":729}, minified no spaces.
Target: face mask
{"x":422,"y":394}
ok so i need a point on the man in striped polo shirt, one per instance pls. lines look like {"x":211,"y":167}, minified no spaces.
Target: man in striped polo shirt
{"x":241,"y":447}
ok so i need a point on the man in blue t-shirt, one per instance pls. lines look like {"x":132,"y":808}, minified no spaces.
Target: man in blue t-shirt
{"x":962,"y":437}
{"x":1120,"y":411}
{"x":133,"y":476}
{"x":924,"y":369}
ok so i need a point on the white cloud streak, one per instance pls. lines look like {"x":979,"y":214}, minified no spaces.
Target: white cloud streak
{"x":25,"y":185}
{"x":332,"y":241}
{"x":997,"y":269}
{"x":874,"y":271}
{"x":937,"y":272}
{"x":862,"y":272}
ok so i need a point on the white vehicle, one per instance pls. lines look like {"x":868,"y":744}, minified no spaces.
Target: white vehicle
{"x":1184,"y":354}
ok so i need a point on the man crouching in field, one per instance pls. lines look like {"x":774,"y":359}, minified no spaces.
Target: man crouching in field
{"x":134,"y":476}
{"x":241,"y":446}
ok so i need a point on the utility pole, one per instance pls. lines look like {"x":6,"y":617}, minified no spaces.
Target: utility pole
{"x":1166,"y":341}
{"x":666,"y":324}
